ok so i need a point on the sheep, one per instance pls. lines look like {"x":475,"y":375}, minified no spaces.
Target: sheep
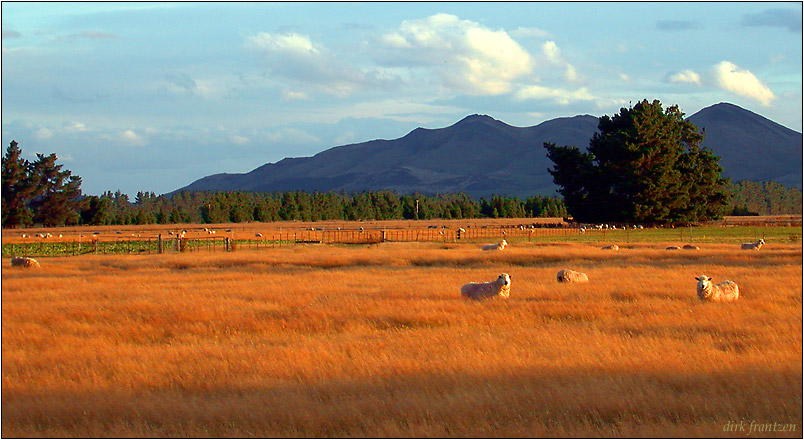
{"x":672,"y":248}
{"x":571,"y":276}
{"x":721,"y":292}
{"x":500,"y":287}
{"x":613,"y":247}
{"x":495,"y":247}
{"x":753,"y":246}
{"x":24,"y":262}
{"x":258,"y":235}
{"x":690,"y":247}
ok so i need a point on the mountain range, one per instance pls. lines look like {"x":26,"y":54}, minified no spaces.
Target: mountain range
{"x":481,"y":156}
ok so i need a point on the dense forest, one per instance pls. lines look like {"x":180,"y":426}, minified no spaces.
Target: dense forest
{"x":764,"y":198}
{"x":224,"y":207}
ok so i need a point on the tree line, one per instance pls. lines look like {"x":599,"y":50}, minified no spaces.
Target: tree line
{"x":237,"y":207}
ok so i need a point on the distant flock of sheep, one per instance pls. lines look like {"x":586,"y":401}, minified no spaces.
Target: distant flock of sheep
{"x":707,"y":291}
{"x":501,"y":287}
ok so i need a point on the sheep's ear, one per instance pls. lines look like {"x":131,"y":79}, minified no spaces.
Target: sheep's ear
{"x":708,"y":278}
{"x":697,"y":278}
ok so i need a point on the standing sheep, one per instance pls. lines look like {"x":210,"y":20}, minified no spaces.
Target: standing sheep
{"x":721,"y":292}
{"x":571,"y":276}
{"x":672,"y":248}
{"x":691,"y":247}
{"x":500,"y":287}
{"x":753,"y":246}
{"x":612,"y":247}
{"x":495,"y":247}
{"x":24,"y":262}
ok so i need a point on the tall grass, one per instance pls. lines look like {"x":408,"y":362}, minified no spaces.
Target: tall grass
{"x":375,"y":341}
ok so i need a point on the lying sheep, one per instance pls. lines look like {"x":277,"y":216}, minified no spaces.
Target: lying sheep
{"x":24,"y":262}
{"x":613,"y":247}
{"x":672,"y":248}
{"x":691,"y":247}
{"x":725,"y":291}
{"x":500,"y":287}
{"x":753,"y":246}
{"x":495,"y":247}
{"x":571,"y":276}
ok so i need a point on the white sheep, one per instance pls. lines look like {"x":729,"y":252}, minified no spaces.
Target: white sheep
{"x":672,"y":248}
{"x":753,"y":246}
{"x":495,"y":247}
{"x":613,"y":247}
{"x":690,"y":247}
{"x":571,"y":276}
{"x":258,"y":235}
{"x":500,"y":287}
{"x":725,"y":291}
{"x":24,"y":262}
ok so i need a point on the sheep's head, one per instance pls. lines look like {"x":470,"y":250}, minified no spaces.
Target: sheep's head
{"x":503,"y":244}
{"x":504,"y":279}
{"x":762,"y":241}
{"x":704,"y":286}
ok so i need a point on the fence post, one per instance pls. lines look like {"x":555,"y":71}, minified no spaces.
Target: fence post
{"x":226,"y":244}
{"x":159,"y":244}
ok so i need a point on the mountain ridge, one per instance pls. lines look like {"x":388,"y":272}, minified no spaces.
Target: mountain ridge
{"x":480,"y":155}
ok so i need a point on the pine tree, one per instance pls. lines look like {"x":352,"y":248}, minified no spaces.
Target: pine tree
{"x":57,"y":192}
{"x":643,"y":165}
{"x":17,"y":188}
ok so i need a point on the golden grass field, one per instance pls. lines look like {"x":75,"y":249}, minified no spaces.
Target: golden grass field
{"x":375,"y":341}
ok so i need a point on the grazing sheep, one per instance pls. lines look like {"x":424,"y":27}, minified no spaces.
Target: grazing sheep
{"x":691,"y":247}
{"x":613,"y":247}
{"x":753,"y":246}
{"x":258,"y":235}
{"x":500,"y":287}
{"x":24,"y":262}
{"x":571,"y":276}
{"x":495,"y":247}
{"x":672,"y":248}
{"x":725,"y":291}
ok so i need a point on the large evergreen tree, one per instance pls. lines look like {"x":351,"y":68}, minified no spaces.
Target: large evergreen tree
{"x":39,"y":191}
{"x":644,"y":165}
{"x":17,"y":188}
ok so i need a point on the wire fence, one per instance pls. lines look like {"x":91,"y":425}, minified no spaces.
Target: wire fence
{"x":364,"y":236}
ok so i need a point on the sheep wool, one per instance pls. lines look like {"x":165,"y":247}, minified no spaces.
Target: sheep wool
{"x":495,"y":247}
{"x":24,"y":262}
{"x":721,"y":292}
{"x":753,"y":246}
{"x":612,"y":247}
{"x":690,"y":247}
{"x":571,"y":276}
{"x":501,"y":287}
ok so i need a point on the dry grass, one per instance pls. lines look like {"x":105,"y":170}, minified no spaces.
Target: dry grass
{"x":375,"y":341}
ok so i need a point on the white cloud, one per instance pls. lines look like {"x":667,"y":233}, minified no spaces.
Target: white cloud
{"x":289,"y":43}
{"x":292,"y":95}
{"x":465,"y":55}
{"x":553,"y":55}
{"x":559,"y":95}
{"x":625,"y":77}
{"x":43,"y":133}
{"x":74,"y":127}
{"x":685,"y":76}
{"x":296,"y":57}
{"x":530,"y":32}
{"x":239,"y":140}
{"x":131,"y":138}
{"x":742,"y":82}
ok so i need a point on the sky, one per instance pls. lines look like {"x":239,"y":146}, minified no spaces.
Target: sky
{"x":153,"y":96}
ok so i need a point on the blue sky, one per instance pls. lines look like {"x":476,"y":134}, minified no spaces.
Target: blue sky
{"x":152,"y":96}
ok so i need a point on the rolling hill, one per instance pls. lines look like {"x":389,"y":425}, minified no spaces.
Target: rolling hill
{"x":481,"y":156}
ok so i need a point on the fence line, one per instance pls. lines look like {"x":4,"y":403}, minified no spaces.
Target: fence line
{"x":177,"y":244}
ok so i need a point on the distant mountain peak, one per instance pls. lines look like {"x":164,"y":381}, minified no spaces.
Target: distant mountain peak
{"x":482,"y":156}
